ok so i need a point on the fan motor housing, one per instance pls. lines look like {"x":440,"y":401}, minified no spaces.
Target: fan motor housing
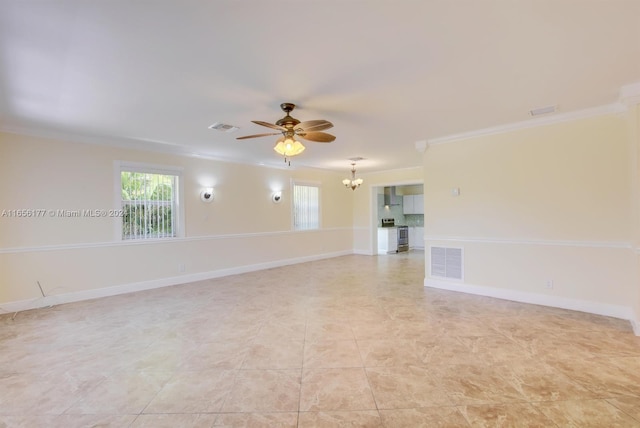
{"x":287,"y":121}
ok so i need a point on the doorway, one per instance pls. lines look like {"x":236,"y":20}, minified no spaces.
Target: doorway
{"x":404,"y":202}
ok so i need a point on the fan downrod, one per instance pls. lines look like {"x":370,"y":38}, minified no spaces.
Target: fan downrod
{"x":287,"y":107}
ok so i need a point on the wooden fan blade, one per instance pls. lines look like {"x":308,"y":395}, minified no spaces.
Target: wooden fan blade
{"x":258,"y":135}
{"x":314,"y":125}
{"x":269,"y":125}
{"x":318,"y":137}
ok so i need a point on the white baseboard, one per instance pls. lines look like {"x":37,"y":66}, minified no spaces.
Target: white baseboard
{"x":598,"y":308}
{"x":364,"y":252}
{"x":57,"y":299}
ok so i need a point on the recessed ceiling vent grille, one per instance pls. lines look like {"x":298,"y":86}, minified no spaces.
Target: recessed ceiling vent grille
{"x":542,"y":110}
{"x":223,"y":127}
{"x":446,"y":262}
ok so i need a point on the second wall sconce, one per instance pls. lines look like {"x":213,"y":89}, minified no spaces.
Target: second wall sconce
{"x":207,"y":195}
{"x":276,"y":197}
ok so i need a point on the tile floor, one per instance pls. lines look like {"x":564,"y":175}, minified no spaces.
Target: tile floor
{"x":352,"y":341}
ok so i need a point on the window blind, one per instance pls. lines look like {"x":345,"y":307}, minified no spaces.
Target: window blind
{"x":306,"y":207}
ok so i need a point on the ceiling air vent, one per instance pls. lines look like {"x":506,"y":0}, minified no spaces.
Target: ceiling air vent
{"x":446,"y":262}
{"x":223,"y":127}
{"x":542,"y":110}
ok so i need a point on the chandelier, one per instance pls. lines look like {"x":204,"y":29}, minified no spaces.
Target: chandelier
{"x":353,"y":182}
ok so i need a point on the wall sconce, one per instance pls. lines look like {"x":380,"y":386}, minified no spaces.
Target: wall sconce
{"x":276,"y":197}
{"x":207,"y":195}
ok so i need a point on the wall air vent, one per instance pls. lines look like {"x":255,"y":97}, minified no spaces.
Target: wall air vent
{"x":223,"y":127}
{"x":446,"y":262}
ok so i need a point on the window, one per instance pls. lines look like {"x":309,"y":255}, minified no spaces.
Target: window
{"x":306,"y":206}
{"x":150,"y":202}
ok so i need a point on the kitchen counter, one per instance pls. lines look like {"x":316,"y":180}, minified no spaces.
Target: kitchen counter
{"x":387,"y":240}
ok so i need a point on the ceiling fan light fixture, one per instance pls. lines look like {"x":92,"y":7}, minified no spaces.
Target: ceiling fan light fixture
{"x":290,"y":128}
{"x":289,"y":147}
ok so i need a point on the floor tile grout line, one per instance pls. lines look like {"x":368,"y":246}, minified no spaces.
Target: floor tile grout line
{"x":304,"y":346}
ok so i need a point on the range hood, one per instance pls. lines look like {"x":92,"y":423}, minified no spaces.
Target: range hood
{"x":390,"y":197}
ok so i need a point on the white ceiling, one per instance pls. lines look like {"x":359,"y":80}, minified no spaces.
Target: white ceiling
{"x":155,"y":74}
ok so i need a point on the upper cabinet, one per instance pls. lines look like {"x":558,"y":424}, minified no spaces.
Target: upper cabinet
{"x":413,"y":204}
{"x":418,"y":202}
{"x":407,"y":204}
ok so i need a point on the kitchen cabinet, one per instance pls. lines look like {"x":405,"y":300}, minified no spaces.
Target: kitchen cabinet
{"x":418,"y":204}
{"x":407,"y":204}
{"x":413,"y":204}
{"x":387,"y":240}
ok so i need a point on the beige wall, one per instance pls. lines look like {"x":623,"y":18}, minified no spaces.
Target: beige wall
{"x":241,"y":230}
{"x":633,"y":126}
{"x":557,"y":202}
{"x":547,"y":203}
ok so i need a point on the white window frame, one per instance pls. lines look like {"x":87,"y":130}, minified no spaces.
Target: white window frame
{"x":293,"y":203}
{"x":120,"y":166}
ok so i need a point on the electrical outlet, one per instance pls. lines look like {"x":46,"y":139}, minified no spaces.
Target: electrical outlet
{"x":181,"y":267}
{"x":549,"y":283}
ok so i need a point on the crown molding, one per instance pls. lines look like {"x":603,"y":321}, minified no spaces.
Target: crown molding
{"x":532,"y":123}
{"x":628,"y":95}
{"x":129,"y":143}
{"x":422,"y":146}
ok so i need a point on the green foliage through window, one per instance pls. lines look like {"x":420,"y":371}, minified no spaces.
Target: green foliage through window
{"x":149,"y":205}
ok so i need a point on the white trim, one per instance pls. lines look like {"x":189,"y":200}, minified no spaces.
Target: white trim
{"x":598,"y":308}
{"x":133,"y":143}
{"x":148,"y":168}
{"x":592,"y":244}
{"x":77,"y":246}
{"x":635,"y":325}
{"x":310,"y":183}
{"x":77,"y":296}
{"x":384,"y":171}
{"x":364,"y":252}
{"x":117,"y":199}
{"x":532,"y":123}
{"x":305,"y":183}
{"x":628,"y":95}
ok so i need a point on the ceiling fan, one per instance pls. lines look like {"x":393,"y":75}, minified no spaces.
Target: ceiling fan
{"x":289,"y":128}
